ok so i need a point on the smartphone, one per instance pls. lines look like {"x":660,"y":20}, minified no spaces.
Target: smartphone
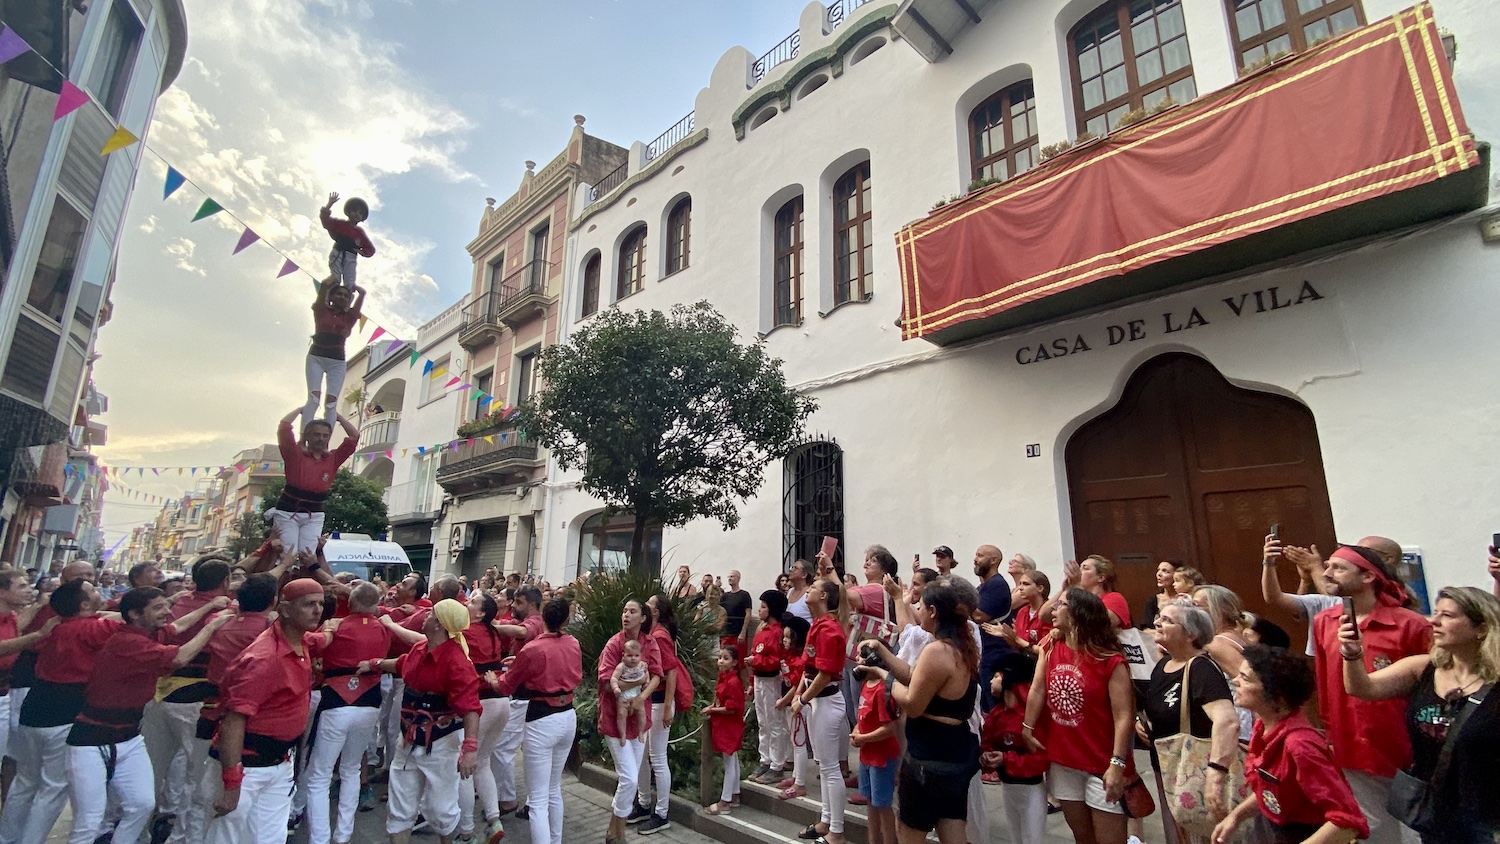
{"x":1276,"y":530}
{"x":1349,"y":614}
{"x":830,"y":545}
{"x":1495,"y":542}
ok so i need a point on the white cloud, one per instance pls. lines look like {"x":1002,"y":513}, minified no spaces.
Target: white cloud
{"x":277,"y":104}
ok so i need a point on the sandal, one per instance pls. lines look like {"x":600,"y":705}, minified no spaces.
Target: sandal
{"x":810,"y":833}
{"x":719,"y":808}
{"x":792,"y":792}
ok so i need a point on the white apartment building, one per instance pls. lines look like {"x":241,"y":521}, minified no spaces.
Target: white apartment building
{"x":1331,"y":374}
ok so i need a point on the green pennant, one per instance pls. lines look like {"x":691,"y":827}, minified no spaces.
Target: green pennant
{"x":207,"y":209}
{"x":414,"y":358}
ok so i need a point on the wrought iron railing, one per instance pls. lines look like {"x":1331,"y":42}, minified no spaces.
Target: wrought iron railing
{"x":840,"y":10}
{"x":489,"y":307}
{"x":609,"y":183}
{"x":479,"y":454}
{"x":783,"y":52}
{"x":671,"y":137}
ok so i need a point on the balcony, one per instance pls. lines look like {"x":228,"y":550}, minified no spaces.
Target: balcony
{"x":482,"y":463}
{"x":521,"y":297}
{"x":379,"y":432}
{"x":1350,"y":139}
{"x":413,"y":501}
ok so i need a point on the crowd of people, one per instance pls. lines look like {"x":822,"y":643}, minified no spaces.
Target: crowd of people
{"x":263,"y":698}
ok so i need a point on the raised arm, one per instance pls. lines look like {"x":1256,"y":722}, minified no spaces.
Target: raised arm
{"x":197,"y":615}
{"x":357,"y":306}
{"x":196,"y":644}
{"x":1397,"y":680}
{"x":21,"y":643}
{"x":403,"y":635}
{"x":350,"y":430}
{"x":1270,"y":581}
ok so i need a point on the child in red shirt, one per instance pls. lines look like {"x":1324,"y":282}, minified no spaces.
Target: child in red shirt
{"x":793,"y":650}
{"x":726,"y":726}
{"x":879,"y":753}
{"x":1002,"y":750}
{"x":349,"y":240}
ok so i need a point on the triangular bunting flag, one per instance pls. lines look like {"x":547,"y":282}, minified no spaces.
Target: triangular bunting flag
{"x":466,"y":387}
{"x":119,"y":140}
{"x":504,"y":437}
{"x":68,"y":100}
{"x":11,"y":45}
{"x":378,"y":331}
{"x":207,"y":209}
{"x":362,"y":320}
{"x":246,"y":239}
{"x":174,"y":181}
{"x":426,"y":367}
{"x":421,"y":449}
{"x":451,"y":382}
{"x":439,"y":372}
{"x":288,"y":268}
{"x":391,"y":346}
{"x":490,"y":439}
{"x":414,"y":357}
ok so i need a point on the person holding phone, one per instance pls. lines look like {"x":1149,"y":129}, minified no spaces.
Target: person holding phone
{"x":1369,"y":741}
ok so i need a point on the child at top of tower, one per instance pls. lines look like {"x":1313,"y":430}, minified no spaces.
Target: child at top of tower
{"x":349,"y":240}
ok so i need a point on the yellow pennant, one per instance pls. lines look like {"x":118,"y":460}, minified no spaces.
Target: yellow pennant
{"x":119,"y":140}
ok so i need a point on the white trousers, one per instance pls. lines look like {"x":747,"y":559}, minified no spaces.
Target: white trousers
{"x":731,"y":790}
{"x":1025,"y":811}
{"x":799,"y":753}
{"x":656,"y":752}
{"x":299,"y":757}
{"x":771,"y":723}
{"x":13,"y":716}
{"x":826,"y":727}
{"x":548,"y":741}
{"x":977,"y":827}
{"x":298,"y":532}
{"x":343,"y":733}
{"x":418,"y":773}
{"x":493,"y":717}
{"x":40,"y":789}
{"x":5,"y":700}
{"x":627,"y":756}
{"x":261,"y":815}
{"x":342,"y":266}
{"x":503,"y":764}
{"x":391,"y":689}
{"x":93,"y":785}
{"x":169,"y":729}
{"x":318,"y":367}
{"x":1370,"y":793}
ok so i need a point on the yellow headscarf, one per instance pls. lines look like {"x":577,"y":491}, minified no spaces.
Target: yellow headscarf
{"x":454,"y":617}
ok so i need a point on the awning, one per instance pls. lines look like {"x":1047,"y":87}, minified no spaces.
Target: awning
{"x":1356,"y":136}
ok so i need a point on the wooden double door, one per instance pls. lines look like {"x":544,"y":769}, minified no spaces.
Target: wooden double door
{"x":1190,"y":468}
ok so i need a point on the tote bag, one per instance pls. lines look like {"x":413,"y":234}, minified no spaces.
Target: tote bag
{"x":1184,"y":770}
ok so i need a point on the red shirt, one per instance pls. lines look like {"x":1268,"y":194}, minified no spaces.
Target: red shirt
{"x":442,"y":671}
{"x":534,"y":626}
{"x":23,"y":671}
{"x":270,"y":685}
{"x":871,"y":600}
{"x":360,"y":637}
{"x":874,"y":714}
{"x":231,"y":640}
{"x":1002,"y":733}
{"x":1367,"y":735}
{"x":1116,"y":604}
{"x":346,"y":235}
{"x":126,"y":670}
{"x":184,"y":605}
{"x":1081,"y":728}
{"x":507,"y":643}
{"x":825,"y":646}
{"x":792,"y":665}
{"x":1030,"y":628}
{"x":550,"y":664}
{"x":727,"y":729}
{"x":68,"y":654}
{"x":9,"y":629}
{"x":306,"y":471}
{"x":328,"y":321}
{"x":614,"y":649}
{"x":765,"y":650}
{"x":1292,"y":774}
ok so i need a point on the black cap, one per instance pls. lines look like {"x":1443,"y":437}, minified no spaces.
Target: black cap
{"x":943,"y":551}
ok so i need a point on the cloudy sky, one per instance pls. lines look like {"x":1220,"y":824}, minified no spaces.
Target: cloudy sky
{"x":423,"y":107}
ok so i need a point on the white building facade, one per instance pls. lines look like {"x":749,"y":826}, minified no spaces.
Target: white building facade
{"x":1341,"y":387}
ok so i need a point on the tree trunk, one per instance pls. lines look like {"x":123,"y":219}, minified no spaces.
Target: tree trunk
{"x":638,"y":544}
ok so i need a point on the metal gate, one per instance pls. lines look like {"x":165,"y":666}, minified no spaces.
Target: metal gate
{"x":812,"y":502}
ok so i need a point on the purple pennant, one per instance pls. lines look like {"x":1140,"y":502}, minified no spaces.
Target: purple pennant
{"x":288,"y":268}
{"x":11,"y":45}
{"x":246,"y":239}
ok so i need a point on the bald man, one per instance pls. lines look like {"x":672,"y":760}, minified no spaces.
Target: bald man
{"x":994,"y":605}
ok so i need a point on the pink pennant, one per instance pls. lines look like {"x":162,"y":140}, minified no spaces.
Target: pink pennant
{"x":455,"y":380}
{"x":288,"y":268}
{"x":378,"y":331}
{"x":69,"y":100}
{"x":246,"y":239}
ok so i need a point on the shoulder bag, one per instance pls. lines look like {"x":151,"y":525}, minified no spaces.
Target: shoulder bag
{"x":1184,"y":759}
{"x":1414,"y":802}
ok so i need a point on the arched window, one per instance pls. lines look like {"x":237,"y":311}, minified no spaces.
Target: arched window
{"x":1002,"y":133}
{"x":591,"y":286}
{"x":632,"y":277}
{"x":812,"y":501}
{"x":679,"y":232}
{"x":1129,"y":55}
{"x":604,"y":545}
{"x":1267,"y":28}
{"x":852,"y":250}
{"x":787,"y":287}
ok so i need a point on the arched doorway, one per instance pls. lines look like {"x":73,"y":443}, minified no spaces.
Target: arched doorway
{"x":1188,"y":467}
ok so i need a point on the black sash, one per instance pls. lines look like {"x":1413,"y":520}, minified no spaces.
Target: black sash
{"x":425,"y":718}
{"x":297,"y":500}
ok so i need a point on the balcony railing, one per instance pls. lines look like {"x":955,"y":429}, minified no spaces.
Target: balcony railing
{"x":412,"y":500}
{"x":840,"y":10}
{"x":476,"y":457}
{"x":783,"y":52}
{"x":671,"y":137}
{"x":379,"y":432}
{"x":527,"y":284}
{"x":609,"y":182}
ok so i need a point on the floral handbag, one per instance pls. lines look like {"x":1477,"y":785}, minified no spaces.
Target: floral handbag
{"x":1184,"y":759}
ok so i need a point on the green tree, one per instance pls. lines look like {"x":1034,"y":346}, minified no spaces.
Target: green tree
{"x":355,"y":504}
{"x":670,"y":417}
{"x":250,"y":530}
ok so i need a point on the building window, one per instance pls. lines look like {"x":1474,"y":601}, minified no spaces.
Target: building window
{"x":1129,"y":55}
{"x":539,"y":264}
{"x":484,"y":385}
{"x":604,"y":545}
{"x":110,"y":75}
{"x":813,"y":502}
{"x":788,"y":263}
{"x":433,"y":384}
{"x":525,"y":377}
{"x":1002,"y":133}
{"x":495,"y":273}
{"x":679,"y":233}
{"x":853,"y":250}
{"x":52,"y":280}
{"x":591,"y":286}
{"x":1264,"y":29}
{"x":632,"y":276}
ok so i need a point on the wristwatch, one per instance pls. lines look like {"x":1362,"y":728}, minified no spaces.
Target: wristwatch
{"x":1117,"y":762}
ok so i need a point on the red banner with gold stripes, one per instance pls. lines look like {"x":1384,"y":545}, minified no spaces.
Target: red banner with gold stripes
{"x":1370,"y":113}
